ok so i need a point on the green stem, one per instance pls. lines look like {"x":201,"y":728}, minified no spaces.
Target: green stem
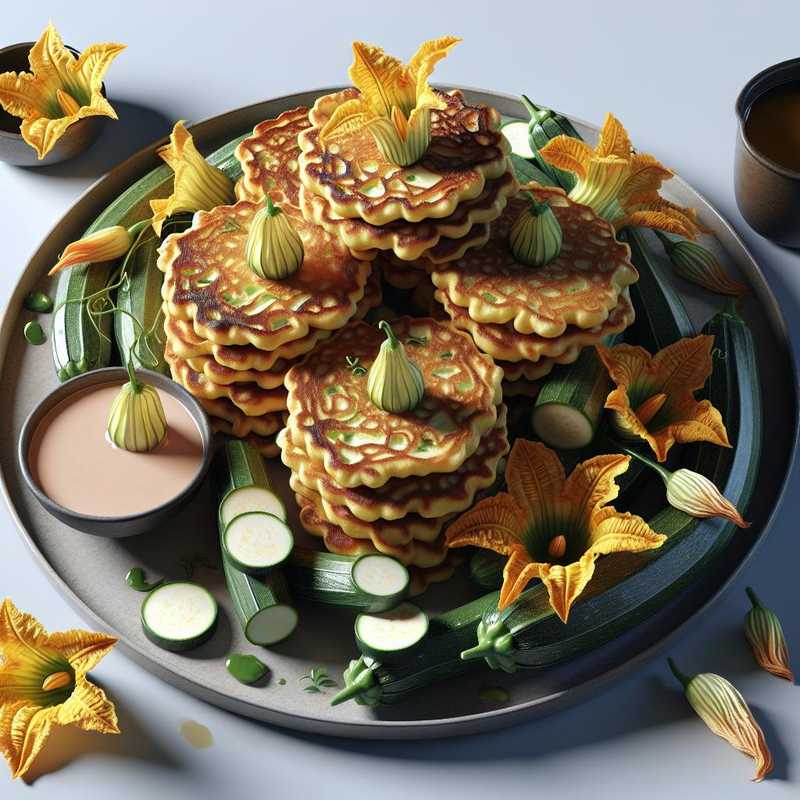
{"x":754,"y":599}
{"x":347,"y":693}
{"x":662,"y":471}
{"x":480,"y":650}
{"x":135,"y":230}
{"x":390,"y":334}
{"x":681,"y":676}
{"x":530,"y":107}
{"x":535,"y":207}
{"x":134,"y":381}
{"x":272,"y":209}
{"x":731,"y":308}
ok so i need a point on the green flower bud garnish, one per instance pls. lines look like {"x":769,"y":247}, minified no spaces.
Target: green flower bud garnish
{"x":535,"y":237}
{"x":700,"y":266}
{"x":137,"y":421}
{"x":395,"y":383}
{"x":764,"y":632}
{"x":274,"y":249}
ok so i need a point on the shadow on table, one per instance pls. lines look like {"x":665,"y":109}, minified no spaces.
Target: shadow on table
{"x":136,"y":127}
{"x":135,"y":742}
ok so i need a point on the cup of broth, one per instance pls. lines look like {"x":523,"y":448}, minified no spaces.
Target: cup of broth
{"x":767,"y":166}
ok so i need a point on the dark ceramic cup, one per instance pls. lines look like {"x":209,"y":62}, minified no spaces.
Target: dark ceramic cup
{"x":134,"y":524}
{"x":768,"y":194}
{"x":13,"y":148}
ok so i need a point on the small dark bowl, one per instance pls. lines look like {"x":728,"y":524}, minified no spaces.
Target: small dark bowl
{"x":13,"y":148}
{"x":768,"y":194}
{"x":134,"y":524}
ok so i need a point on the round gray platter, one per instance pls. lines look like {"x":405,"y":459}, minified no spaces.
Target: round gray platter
{"x":90,"y":571}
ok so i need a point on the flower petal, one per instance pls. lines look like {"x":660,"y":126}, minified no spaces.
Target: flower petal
{"x":535,"y":476}
{"x":496,"y":523}
{"x":382,"y":79}
{"x":565,"y":583}
{"x":614,"y":139}
{"x":568,"y":153}
{"x":646,"y":176}
{"x":425,"y":59}
{"x":592,"y":483}
{"x":93,"y":63}
{"x":690,"y":421}
{"x":24,"y":729}
{"x":349,"y":116}
{"x":517,"y":574}
{"x":684,"y":365}
{"x":621,"y":532}
{"x":22,"y":94}
{"x":82,"y":649}
{"x":88,"y":708}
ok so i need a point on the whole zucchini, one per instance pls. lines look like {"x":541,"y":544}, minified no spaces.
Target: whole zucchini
{"x":80,"y":343}
{"x":528,"y":634}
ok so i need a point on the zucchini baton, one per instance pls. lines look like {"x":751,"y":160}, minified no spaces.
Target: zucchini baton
{"x":320,"y":577}
{"x":527,"y":633}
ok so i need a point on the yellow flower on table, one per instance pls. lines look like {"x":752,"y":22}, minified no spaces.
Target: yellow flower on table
{"x":654,"y":395}
{"x":553,"y":527}
{"x":43,"y":683}
{"x":59,"y":90}
{"x":396,"y":100}
{"x":620,"y":185}
{"x":197,"y":186}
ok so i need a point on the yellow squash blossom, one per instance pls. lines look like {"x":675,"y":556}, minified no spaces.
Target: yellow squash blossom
{"x":654,"y":395}
{"x":59,"y":90}
{"x":553,"y":527}
{"x":395,"y":100}
{"x":43,"y":683}
{"x":197,"y":187}
{"x":620,"y":185}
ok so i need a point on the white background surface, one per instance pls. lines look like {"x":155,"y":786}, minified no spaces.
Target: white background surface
{"x":671,"y":72}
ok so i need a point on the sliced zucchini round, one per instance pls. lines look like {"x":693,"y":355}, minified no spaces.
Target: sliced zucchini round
{"x":518,"y":137}
{"x":179,"y":616}
{"x":256,"y":541}
{"x":383,"y":580}
{"x":251,"y":498}
{"x":392,"y":633}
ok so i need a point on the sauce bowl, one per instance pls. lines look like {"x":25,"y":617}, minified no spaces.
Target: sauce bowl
{"x":110,"y":526}
{"x":768,"y":194}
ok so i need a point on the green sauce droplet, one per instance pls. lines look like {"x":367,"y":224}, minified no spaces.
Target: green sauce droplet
{"x":246,"y":668}
{"x":34,"y":333}
{"x":136,"y":580}
{"x":38,"y":302}
{"x":494,"y":694}
{"x":282,"y":681}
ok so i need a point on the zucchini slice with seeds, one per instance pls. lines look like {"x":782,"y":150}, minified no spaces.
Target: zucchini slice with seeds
{"x":179,"y":616}
{"x":256,"y":541}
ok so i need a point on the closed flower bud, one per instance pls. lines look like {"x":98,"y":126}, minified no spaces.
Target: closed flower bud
{"x":723,"y":709}
{"x":765,"y":634}
{"x":137,"y":421}
{"x":696,"y":495}
{"x":700,"y":266}
{"x":535,"y":237}
{"x":274,"y":249}
{"x":395,"y":383}
{"x":106,"y":244}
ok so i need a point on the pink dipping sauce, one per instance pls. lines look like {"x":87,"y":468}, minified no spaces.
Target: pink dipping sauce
{"x":76,"y":466}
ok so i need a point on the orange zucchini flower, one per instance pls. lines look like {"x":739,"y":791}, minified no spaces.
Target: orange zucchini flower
{"x":620,"y":185}
{"x":43,"y":683}
{"x":654,"y":395}
{"x":59,"y":90}
{"x":553,"y":527}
